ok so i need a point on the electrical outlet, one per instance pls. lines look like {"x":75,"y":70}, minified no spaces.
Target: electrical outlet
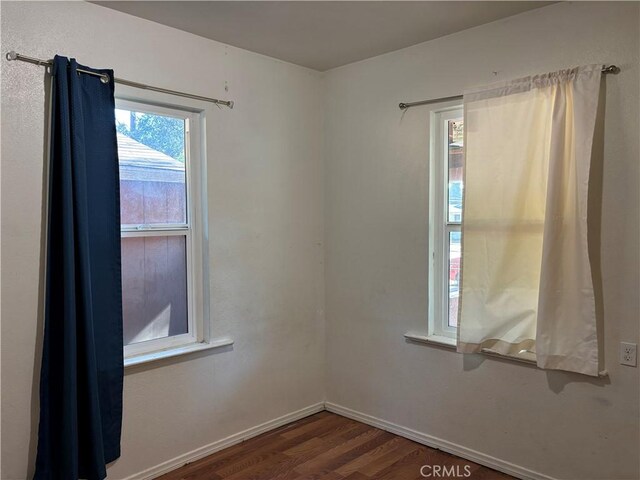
{"x":628,"y":353}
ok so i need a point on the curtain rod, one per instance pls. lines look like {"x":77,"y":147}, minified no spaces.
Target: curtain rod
{"x":403,"y":106}
{"x":104,"y":78}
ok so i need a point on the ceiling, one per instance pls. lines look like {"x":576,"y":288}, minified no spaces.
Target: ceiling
{"x":322,"y":35}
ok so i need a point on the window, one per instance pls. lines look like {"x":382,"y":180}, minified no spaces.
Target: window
{"x":446,"y":173}
{"x":161,"y":228}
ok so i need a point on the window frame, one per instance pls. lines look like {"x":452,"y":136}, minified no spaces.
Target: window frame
{"x":438,"y":189}
{"x":440,"y":227}
{"x":193,"y":230}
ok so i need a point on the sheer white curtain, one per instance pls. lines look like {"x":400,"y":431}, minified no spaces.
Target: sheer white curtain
{"x":526,"y":279}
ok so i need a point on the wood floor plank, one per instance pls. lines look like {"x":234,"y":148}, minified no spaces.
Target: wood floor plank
{"x":326,"y":442}
{"x":346,"y":429}
{"x":283,"y":468}
{"x":279,"y":444}
{"x":286,"y":470}
{"x":205,"y":467}
{"x":357,"y":476}
{"x":251,"y":459}
{"x":321,"y":476}
{"x":261,"y":470}
{"x":320,"y":461}
{"x":325,"y":464}
{"x":256,"y":450}
{"x":304,"y":448}
{"x":352,"y":467}
{"x":407,"y":468}
{"x":347,"y":432}
{"x":301,"y":423}
{"x":312,"y":426}
{"x":326,"y":446}
{"x":380,"y":463}
{"x":359,"y":450}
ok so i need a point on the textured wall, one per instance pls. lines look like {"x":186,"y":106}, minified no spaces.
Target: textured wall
{"x":376,"y":215}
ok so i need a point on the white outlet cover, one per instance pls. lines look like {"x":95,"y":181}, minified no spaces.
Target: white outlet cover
{"x":628,"y":353}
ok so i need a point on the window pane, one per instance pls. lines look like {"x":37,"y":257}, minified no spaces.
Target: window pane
{"x":154,"y":287}
{"x":151,"y":150}
{"x":455,"y":161}
{"x":454,"y":277}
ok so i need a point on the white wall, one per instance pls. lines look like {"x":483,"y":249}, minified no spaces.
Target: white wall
{"x":266,"y":231}
{"x":272,"y":197}
{"x":376,"y":211}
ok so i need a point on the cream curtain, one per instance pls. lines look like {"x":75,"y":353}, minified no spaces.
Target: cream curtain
{"x":526,"y":279}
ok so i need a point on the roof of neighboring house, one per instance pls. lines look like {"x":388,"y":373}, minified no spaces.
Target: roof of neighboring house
{"x":139,"y":162}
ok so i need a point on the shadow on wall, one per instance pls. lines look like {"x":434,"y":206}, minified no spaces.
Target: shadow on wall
{"x":594,"y":218}
{"x":37,"y":360}
{"x":556,"y":379}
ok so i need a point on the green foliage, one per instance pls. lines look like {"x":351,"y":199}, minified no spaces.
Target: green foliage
{"x":165,"y":134}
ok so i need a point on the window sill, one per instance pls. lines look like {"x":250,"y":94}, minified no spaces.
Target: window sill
{"x":526,"y":358}
{"x":450,"y":343}
{"x":437,"y":340}
{"x":176,"y":352}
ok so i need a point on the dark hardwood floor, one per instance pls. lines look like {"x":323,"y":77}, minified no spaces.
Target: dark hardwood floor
{"x":330,"y":447}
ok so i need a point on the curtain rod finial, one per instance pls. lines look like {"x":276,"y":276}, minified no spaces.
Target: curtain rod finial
{"x":403,"y":106}
{"x":12,"y":55}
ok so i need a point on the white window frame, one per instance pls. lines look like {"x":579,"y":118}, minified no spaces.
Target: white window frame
{"x":194,"y":231}
{"x":440,"y":228}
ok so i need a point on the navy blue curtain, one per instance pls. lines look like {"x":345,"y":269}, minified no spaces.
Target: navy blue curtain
{"x":82,"y":362}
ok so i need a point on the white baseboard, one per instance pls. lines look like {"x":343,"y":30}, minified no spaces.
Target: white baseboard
{"x":202,"y":452}
{"x":440,"y":444}
{"x":423,"y":438}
